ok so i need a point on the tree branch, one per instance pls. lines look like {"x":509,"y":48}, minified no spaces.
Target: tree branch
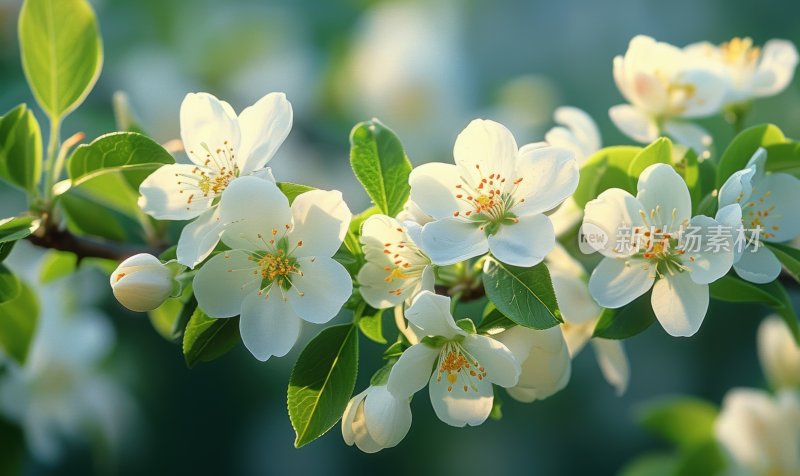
{"x":63,"y":240}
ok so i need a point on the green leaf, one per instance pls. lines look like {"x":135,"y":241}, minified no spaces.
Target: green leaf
{"x":171,"y":317}
{"x":689,"y":168}
{"x":706,"y":459}
{"x":467,"y":325}
{"x":524,"y":295}
{"x":207,"y":338}
{"x":292,"y":190}
{"x":118,"y":151}
{"x":684,"y":421}
{"x":9,"y":285}
{"x":627,"y":321}
{"x":789,"y":258}
{"x":494,"y":321}
{"x":607,"y":168}
{"x":381,"y":165}
{"x":742,"y":148}
{"x":730,"y":288}
{"x":783,"y":158}
{"x":61,"y":52}
{"x":371,"y":325}
{"x":86,"y":217}
{"x":17,"y":228}
{"x":5,"y":249}
{"x":658,"y":152}
{"x":56,"y":265}
{"x":18,"y":318}
{"x":21,"y":149}
{"x":322,"y":382}
{"x":651,"y":464}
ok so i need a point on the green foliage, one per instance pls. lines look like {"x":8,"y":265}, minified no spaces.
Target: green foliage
{"x":627,"y":321}
{"x":292,"y":190}
{"x":322,"y":382}
{"x":117,"y":151}
{"x":9,"y":285}
{"x":742,"y":148}
{"x":61,"y":52}
{"x":524,"y":295}
{"x":207,"y":338}
{"x":789,"y":258}
{"x":380,"y":164}
{"x":17,"y":228}
{"x":607,"y":168}
{"x":86,"y":217}
{"x":684,"y":421}
{"x":652,"y":464}
{"x":18,"y":318}
{"x":171,"y":318}
{"x":21,"y":149}
{"x":689,"y":168}
{"x":493,"y":321}
{"x":371,"y":324}
{"x":56,"y":265}
{"x":783,"y":158}
{"x":659,"y":152}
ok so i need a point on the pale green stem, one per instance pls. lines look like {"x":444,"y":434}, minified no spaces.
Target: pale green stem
{"x":51,"y":163}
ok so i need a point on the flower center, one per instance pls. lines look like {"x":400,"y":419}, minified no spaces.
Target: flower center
{"x":756,"y":212}
{"x":459,"y":368}
{"x":407,"y":264}
{"x":276,"y":266}
{"x":207,"y":182}
{"x":273,"y":263}
{"x":740,"y":52}
{"x":660,"y":247}
{"x":490,"y":201}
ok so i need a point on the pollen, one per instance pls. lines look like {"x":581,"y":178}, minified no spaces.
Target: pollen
{"x":275,"y":266}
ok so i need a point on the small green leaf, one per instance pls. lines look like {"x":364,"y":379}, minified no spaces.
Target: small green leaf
{"x":21,"y":149}
{"x":5,"y":249}
{"x":607,"y":168}
{"x":207,"y":338}
{"x":17,"y":228}
{"x":381,"y":377}
{"x":371,"y":325}
{"x":684,"y":421}
{"x":9,"y":285}
{"x":86,"y":217}
{"x":497,"y":405}
{"x":524,"y":295}
{"x":61,"y":52}
{"x":322,"y":382}
{"x":18,"y":318}
{"x":706,"y":459}
{"x":651,"y":464}
{"x":783,"y":158}
{"x":170,"y":319}
{"x":292,"y":190}
{"x":56,"y":265}
{"x":627,"y":321}
{"x":118,"y":151}
{"x":395,"y":350}
{"x":494,"y":321}
{"x":467,"y":325}
{"x":380,"y":164}
{"x":789,"y":258}
{"x":742,"y":148}
{"x":659,"y":152}
{"x":689,"y":168}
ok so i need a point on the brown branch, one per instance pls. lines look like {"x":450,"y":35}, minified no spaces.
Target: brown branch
{"x":63,"y":240}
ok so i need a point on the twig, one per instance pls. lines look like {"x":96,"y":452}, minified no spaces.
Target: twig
{"x":63,"y":240}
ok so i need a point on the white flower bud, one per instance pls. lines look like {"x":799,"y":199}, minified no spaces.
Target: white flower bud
{"x":375,"y":419}
{"x":142,"y":283}
{"x":779,"y":355}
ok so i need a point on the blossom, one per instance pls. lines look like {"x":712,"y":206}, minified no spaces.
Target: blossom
{"x":760,"y":433}
{"x":493,"y":198}
{"x":581,"y":314}
{"x":375,"y":419}
{"x":279,"y":270}
{"x":678,"y":273}
{"x":749,"y":71}
{"x":778,"y":353}
{"x":579,"y":133}
{"x":663,"y":85}
{"x":768,"y":212}
{"x":222,"y":147}
{"x":142,"y":283}
{"x":396,"y":269}
{"x":466,"y":365}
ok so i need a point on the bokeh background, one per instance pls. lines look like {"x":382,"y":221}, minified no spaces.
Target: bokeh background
{"x":425,"y":68}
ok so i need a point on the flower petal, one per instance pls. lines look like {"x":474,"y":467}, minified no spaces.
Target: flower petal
{"x":776,"y":196}
{"x":375,"y":289}
{"x":208,"y":125}
{"x":268,"y":325}
{"x":457,"y":407}
{"x":545,"y":358}
{"x":580,"y":132}
{"x":224,"y":281}
{"x":412,"y":370}
{"x":320,"y":290}
{"x":524,"y":243}
{"x":613,"y":210}
{"x":759,"y":267}
{"x":434,"y":187}
{"x":616,"y":281}
{"x":264,"y":127}
{"x":450,"y":240}
{"x":549,"y":176}
{"x":500,"y":365}
{"x":613,"y":363}
{"x":171,"y":193}
{"x":431,"y":314}
{"x":199,"y":238}
{"x":388,"y":417}
{"x":690,"y":135}
{"x":708,"y":264}
{"x":738,"y":187}
{"x":352,"y":429}
{"x":572,"y":293}
{"x":664,"y":196}
{"x":253,"y":211}
{"x":485,"y":144}
{"x":633,"y":123}
{"x":680,"y":304}
{"x":776,"y":69}
{"x":321,"y":219}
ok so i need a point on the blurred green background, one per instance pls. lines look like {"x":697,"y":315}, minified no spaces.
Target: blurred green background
{"x":425,"y":68}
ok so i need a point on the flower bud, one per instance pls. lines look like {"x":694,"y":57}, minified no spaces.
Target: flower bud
{"x":142,"y":283}
{"x":779,"y":355}
{"x":374,"y":419}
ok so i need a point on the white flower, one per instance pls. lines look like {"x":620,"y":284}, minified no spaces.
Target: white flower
{"x":581,"y":314}
{"x":679,"y":276}
{"x":768,"y":203}
{"x":778,"y":353}
{"x":396,"y":269}
{"x":466,"y":365}
{"x":664,"y":83}
{"x":142,"y":283}
{"x":374,"y":419}
{"x":750,"y":72}
{"x":579,"y":133}
{"x":279,"y":270}
{"x":221,"y":147}
{"x":761,"y":433}
{"x":493,"y":198}
{"x":412,"y":213}
{"x":544,"y":356}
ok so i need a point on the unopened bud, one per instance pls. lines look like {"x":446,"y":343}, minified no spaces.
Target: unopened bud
{"x":142,"y":283}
